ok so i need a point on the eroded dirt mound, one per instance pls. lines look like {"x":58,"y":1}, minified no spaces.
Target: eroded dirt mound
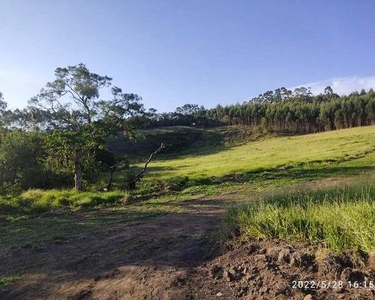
{"x":277,"y":270}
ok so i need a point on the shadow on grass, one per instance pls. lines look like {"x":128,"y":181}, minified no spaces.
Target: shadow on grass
{"x":86,"y":246}
{"x":35,"y":230}
{"x":183,"y":141}
{"x":309,"y":173}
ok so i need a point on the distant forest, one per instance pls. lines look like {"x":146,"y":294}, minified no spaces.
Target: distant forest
{"x":282,"y":110}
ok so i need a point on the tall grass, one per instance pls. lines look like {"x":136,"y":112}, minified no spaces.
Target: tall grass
{"x":36,"y":201}
{"x":337,"y":218}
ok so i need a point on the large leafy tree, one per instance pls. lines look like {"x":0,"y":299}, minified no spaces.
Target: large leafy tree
{"x":72,"y":107}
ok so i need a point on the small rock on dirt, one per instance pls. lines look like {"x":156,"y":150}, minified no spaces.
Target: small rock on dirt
{"x":284,"y":256}
{"x":216,"y":272}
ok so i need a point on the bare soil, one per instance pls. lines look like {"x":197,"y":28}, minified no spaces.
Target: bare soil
{"x":149,"y":260}
{"x":175,"y":257}
{"x":273,"y":269}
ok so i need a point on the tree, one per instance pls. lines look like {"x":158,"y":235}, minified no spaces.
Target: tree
{"x":302,"y":92}
{"x":3,"y":107}
{"x":187,"y":109}
{"x":285,"y":93}
{"x":339,"y":119}
{"x":80,"y":119}
{"x":328,"y":91}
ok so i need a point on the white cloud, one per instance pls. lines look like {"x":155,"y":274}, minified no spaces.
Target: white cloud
{"x":343,"y":85}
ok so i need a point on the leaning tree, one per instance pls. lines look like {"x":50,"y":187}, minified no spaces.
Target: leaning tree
{"x":79,"y":119}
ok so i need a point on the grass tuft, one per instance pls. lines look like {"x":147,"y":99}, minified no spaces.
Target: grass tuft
{"x":5,"y":280}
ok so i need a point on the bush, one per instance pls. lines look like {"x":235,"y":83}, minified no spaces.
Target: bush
{"x":22,"y":166}
{"x":126,"y":178}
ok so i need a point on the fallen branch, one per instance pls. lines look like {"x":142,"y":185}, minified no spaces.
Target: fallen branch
{"x":140,"y":174}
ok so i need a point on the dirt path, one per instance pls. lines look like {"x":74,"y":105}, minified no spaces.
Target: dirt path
{"x":149,"y":260}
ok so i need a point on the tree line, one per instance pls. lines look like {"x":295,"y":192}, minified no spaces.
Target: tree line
{"x":282,"y":110}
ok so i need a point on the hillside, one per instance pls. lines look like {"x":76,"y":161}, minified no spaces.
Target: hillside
{"x":183,"y":140}
{"x":265,"y":154}
{"x":219,"y":235}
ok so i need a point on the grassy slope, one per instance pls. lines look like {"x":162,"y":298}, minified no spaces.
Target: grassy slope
{"x":323,"y":218}
{"x":337,"y":218}
{"x":251,"y":156}
{"x":268,"y":154}
{"x":184,"y":141}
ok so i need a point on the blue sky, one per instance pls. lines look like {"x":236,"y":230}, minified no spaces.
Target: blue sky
{"x":177,"y":52}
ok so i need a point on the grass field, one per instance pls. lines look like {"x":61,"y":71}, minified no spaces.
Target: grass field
{"x":272,"y":161}
{"x":336,"y":218}
{"x":33,"y":232}
{"x":344,"y":153}
{"x":268,"y":154}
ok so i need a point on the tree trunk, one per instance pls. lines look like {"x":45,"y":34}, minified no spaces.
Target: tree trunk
{"x":77,"y":172}
{"x":140,"y":174}
{"x":109,"y":185}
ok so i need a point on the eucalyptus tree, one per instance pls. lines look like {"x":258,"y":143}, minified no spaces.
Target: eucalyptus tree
{"x":80,"y":119}
{"x":2,"y":103}
{"x":328,"y":91}
{"x":3,"y":106}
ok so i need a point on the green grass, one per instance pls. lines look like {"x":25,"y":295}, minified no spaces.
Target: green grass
{"x":340,"y":217}
{"x":5,"y":280}
{"x":266,"y":154}
{"x":37,"y":201}
{"x":61,"y":227}
{"x":192,"y":175}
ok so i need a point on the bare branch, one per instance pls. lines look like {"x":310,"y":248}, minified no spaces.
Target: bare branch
{"x":140,"y":174}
